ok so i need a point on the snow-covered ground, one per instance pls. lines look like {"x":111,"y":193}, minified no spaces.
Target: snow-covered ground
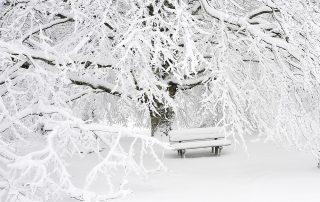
{"x":266,"y":173}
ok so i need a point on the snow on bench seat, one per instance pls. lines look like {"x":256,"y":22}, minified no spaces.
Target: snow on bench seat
{"x":200,"y":144}
{"x":199,"y":136}
{"x":191,"y":131}
{"x":196,"y":134}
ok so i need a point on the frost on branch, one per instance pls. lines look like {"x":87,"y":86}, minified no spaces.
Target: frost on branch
{"x":43,"y":173}
{"x":251,"y":67}
{"x":40,"y":137}
{"x":268,"y":77}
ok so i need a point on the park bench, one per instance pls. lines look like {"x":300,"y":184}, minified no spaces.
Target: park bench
{"x":194,"y":138}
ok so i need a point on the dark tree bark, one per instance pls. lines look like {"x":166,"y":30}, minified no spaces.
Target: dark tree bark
{"x":162,"y":119}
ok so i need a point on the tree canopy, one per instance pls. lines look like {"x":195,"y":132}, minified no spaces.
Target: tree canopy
{"x":79,"y":67}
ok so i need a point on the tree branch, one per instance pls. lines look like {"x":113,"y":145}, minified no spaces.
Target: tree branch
{"x":253,"y":30}
{"x":94,"y":83}
{"x":47,"y":26}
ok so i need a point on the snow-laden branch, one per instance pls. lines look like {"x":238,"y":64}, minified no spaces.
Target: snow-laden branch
{"x":46,"y":26}
{"x":170,"y":59}
{"x":94,"y":83}
{"x":243,"y":23}
{"x":16,"y":49}
{"x":259,"y":11}
{"x":69,"y":137}
{"x":190,"y":82}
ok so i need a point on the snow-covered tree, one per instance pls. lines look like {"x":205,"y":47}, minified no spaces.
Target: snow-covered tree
{"x":70,"y":67}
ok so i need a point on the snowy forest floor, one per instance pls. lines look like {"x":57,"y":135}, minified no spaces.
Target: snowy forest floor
{"x":266,"y":172}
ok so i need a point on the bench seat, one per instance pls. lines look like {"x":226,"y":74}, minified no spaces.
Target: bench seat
{"x":195,"y":137}
{"x":195,"y":134}
{"x":200,"y":144}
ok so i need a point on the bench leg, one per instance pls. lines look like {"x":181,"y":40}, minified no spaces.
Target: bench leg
{"x":183,"y":152}
{"x":212,"y":150}
{"x":219,"y":150}
{"x":215,"y":150}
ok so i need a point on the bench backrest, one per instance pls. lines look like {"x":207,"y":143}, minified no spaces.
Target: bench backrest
{"x":196,"y":134}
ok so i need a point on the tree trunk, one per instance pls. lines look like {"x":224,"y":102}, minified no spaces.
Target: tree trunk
{"x":163,"y":118}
